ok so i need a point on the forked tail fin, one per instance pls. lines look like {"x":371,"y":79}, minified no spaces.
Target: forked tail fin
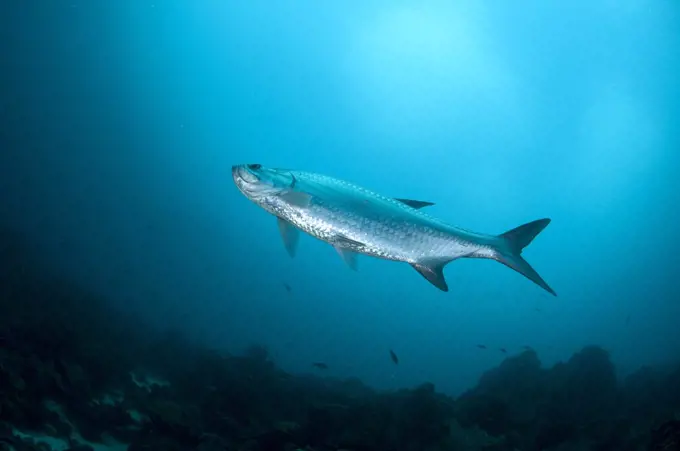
{"x":511,"y":246}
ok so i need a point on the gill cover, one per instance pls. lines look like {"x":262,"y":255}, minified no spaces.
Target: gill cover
{"x":281,"y":183}
{"x":266,"y":181}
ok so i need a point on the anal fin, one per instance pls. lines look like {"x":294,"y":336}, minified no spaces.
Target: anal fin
{"x":433,"y":271}
{"x":290,"y":235}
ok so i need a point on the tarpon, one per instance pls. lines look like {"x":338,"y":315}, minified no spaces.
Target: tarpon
{"x":355,"y":221}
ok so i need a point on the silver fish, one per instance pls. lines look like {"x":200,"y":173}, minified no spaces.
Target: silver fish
{"x":355,"y":221}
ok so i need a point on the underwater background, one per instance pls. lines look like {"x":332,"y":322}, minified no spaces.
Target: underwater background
{"x":121,"y":121}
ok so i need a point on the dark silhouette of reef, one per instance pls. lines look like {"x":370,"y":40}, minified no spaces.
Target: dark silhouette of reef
{"x":75,"y":368}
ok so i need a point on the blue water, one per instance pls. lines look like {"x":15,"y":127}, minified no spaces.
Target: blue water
{"x":121,"y":121}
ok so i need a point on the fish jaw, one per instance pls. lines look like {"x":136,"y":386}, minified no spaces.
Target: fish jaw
{"x":259,"y":184}
{"x":242,"y":179}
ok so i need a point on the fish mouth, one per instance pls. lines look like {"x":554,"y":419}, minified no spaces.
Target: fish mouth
{"x":246,"y":181}
{"x":252,"y":183}
{"x":241,"y":172}
{"x":243,"y":178}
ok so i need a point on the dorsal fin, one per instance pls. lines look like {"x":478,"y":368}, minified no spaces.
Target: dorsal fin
{"x":417,"y":204}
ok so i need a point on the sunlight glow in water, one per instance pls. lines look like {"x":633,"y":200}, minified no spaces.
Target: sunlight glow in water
{"x":410,"y":64}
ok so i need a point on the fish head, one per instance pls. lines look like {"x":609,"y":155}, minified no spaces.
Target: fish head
{"x":257,"y":182}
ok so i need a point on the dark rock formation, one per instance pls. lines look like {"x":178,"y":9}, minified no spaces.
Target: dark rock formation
{"x":74,"y":368}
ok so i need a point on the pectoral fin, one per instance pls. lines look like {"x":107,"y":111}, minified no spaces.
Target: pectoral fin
{"x":297,"y":198}
{"x":290,"y":235}
{"x":433,"y":271}
{"x":417,"y":204}
{"x":348,"y":256}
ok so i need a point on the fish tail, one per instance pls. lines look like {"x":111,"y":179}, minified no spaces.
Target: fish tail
{"x":509,"y":250}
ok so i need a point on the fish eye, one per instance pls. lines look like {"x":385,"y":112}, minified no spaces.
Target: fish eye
{"x":254,"y":167}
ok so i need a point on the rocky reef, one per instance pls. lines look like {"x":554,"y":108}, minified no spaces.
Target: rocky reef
{"x":75,"y":374}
